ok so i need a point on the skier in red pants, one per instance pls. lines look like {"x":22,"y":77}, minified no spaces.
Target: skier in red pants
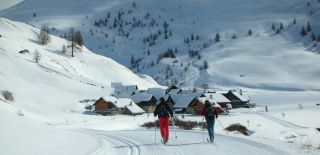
{"x":164,"y":112}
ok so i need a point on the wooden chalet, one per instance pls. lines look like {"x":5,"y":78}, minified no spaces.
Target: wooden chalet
{"x":110,"y":106}
{"x":182,"y":103}
{"x":145,"y":101}
{"x":237,"y":100}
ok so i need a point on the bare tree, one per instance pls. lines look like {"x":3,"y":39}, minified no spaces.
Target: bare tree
{"x":71,"y":39}
{"x":64,"y":48}
{"x":78,"y":39}
{"x":44,"y":37}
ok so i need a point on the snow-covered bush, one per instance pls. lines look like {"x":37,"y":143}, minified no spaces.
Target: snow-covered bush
{"x":37,"y":56}
{"x":239,"y":128}
{"x":88,"y":107}
{"x":186,"y":125}
{"x":7,"y":95}
{"x":300,"y":106}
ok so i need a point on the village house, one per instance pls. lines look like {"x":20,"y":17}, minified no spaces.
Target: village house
{"x":181,"y":103}
{"x":145,"y":101}
{"x":219,"y":99}
{"x":110,"y":105}
{"x":237,"y":100}
{"x":198,"y":104}
{"x":122,"y":91}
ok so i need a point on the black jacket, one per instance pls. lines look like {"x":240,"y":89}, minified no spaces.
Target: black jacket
{"x":156,"y":111}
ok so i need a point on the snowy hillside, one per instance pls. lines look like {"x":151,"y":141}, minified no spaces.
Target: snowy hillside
{"x":135,"y":33}
{"x":63,"y":79}
{"x":49,"y":92}
{"x":219,"y":44}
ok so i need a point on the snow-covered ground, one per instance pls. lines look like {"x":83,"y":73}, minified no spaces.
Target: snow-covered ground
{"x":46,"y":117}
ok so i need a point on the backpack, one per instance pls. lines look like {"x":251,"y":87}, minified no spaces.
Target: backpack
{"x":209,"y":112}
{"x":162,"y":111}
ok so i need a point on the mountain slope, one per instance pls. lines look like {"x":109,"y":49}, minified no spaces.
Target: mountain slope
{"x":134,"y":33}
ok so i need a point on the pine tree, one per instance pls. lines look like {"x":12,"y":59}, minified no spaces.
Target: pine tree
{"x":294,"y":20}
{"x":197,"y":37}
{"x":249,"y":32}
{"x":318,"y":38}
{"x":192,"y":37}
{"x":78,"y":38}
{"x":303,"y":31}
{"x":205,"y":65}
{"x":281,"y":26}
{"x":313,"y":37}
{"x":308,"y":27}
{"x":273,"y":27}
{"x":217,"y":38}
{"x":132,"y":62}
{"x":234,"y":36}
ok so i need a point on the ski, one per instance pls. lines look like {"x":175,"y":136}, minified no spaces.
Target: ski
{"x":210,"y":141}
{"x":163,"y":142}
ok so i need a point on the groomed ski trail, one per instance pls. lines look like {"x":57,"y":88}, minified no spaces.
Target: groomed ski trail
{"x":141,"y":142}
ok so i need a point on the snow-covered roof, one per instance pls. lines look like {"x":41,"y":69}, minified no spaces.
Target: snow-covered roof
{"x":116,"y":84}
{"x":123,"y":94}
{"x":191,"y":92}
{"x":157,"y":92}
{"x":241,"y":97}
{"x":129,"y":88}
{"x":133,"y":108}
{"x":217,"y":97}
{"x":181,"y":101}
{"x":124,"y":103}
{"x":137,"y":98}
{"x":174,"y":91}
{"x":203,"y":99}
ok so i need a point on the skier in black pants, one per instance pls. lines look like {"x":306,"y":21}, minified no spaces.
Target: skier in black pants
{"x":210,"y":113}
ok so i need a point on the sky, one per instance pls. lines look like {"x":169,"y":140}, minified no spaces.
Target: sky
{"x":8,"y":3}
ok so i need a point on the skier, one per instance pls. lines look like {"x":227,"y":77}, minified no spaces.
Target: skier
{"x":164,"y":112}
{"x":209,"y":113}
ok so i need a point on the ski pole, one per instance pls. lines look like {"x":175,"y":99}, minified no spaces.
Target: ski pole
{"x":155,"y":127}
{"x":175,"y":132}
{"x":222,"y":126}
{"x":220,"y":123}
{"x":202,"y":129}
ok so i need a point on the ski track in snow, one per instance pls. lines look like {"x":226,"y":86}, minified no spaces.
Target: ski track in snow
{"x":141,"y":142}
{"x":282,"y":122}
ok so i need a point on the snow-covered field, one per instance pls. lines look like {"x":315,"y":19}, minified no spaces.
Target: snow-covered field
{"x":46,"y":117}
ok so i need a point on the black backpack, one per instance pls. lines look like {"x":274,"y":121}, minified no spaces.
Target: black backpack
{"x":162,"y":111}
{"x":209,"y":112}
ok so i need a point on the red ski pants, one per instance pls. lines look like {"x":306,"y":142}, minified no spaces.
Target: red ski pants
{"x":164,"y":127}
